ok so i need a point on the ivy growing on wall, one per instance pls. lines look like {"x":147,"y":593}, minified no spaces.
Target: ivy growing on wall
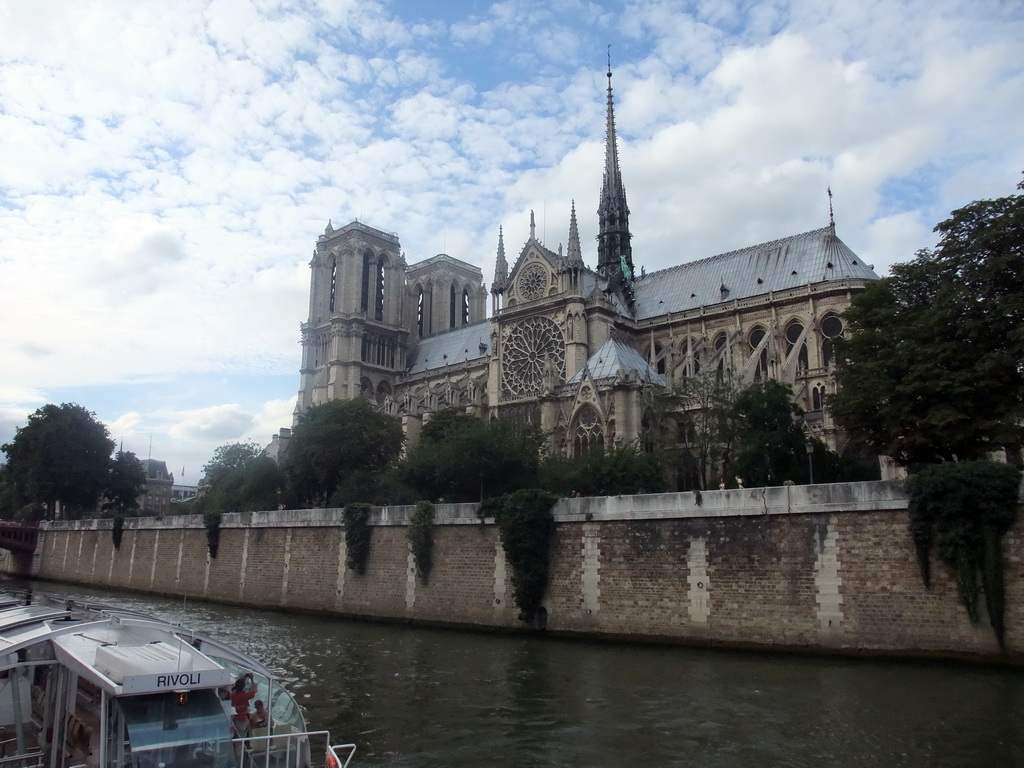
{"x":526,"y":524}
{"x":963,"y":509}
{"x":421,"y":538}
{"x":212,"y":522}
{"x":117,"y":530}
{"x":357,"y":536}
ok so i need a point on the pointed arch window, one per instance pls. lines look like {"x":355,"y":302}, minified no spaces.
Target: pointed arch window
{"x":720,"y":344}
{"x":334,"y":283}
{"x":419,"y":309}
{"x":794,"y":331}
{"x":831,"y":327}
{"x":378,"y":301}
{"x":451,"y":306}
{"x":465,"y":306}
{"x":756,"y":337}
{"x":658,"y":357}
{"x":364,"y":301}
{"x":588,"y":433}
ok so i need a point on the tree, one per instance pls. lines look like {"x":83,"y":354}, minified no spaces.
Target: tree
{"x":256,"y":485}
{"x":125,"y":481}
{"x":931,"y":367}
{"x":622,"y":470}
{"x":704,"y":405}
{"x":228,"y":457}
{"x":771,"y":447}
{"x":462,"y":458}
{"x":61,"y":457}
{"x":334,"y":439}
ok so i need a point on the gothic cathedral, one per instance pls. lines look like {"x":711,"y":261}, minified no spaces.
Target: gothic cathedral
{"x":579,"y":352}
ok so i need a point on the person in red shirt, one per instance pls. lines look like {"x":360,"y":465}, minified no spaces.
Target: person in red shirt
{"x":241,"y":695}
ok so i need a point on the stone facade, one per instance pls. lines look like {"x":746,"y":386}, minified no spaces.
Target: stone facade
{"x":820,"y":568}
{"x":576,"y":351}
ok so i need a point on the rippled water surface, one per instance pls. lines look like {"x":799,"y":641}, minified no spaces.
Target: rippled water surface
{"x":419,"y":697}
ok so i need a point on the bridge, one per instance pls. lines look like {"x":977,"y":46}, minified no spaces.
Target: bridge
{"x":18,"y":537}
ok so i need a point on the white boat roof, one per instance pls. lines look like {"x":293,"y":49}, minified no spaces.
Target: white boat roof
{"x":122,"y":651}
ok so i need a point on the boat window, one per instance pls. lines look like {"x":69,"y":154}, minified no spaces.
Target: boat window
{"x":172,"y":729}
{"x":283,"y":708}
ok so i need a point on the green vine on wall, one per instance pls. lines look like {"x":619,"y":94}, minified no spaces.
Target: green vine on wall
{"x":212,"y":522}
{"x":421,"y":538}
{"x":963,"y":509}
{"x":117,"y":530}
{"x":357,"y":536}
{"x":526,"y":524}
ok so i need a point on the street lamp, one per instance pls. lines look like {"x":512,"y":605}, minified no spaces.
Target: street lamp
{"x":810,"y":460}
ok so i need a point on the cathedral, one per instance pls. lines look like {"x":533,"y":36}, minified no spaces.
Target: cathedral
{"x":577,"y":351}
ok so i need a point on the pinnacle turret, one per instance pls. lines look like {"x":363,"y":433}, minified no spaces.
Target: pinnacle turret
{"x":574,"y":254}
{"x":500,"y":267}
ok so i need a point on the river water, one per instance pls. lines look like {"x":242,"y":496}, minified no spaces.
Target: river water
{"x":412,"y":697}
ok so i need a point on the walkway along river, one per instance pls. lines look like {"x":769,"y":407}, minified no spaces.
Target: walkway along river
{"x":414,"y":697}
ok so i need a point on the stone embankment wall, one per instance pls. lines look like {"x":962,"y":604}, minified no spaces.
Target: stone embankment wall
{"x":828,"y":567}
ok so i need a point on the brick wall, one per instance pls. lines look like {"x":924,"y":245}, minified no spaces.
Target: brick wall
{"x":824,"y":567}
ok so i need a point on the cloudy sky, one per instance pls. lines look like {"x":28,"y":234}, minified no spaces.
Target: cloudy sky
{"x":165,"y":168}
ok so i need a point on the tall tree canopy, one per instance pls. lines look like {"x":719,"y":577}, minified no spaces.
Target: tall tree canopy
{"x":704,"y":404}
{"x":125,"y":481}
{"x":61,"y":455}
{"x":771,"y":447}
{"x":462,"y":458}
{"x":624,"y":469}
{"x":335,"y":439}
{"x":229,"y":457}
{"x":931,"y":368}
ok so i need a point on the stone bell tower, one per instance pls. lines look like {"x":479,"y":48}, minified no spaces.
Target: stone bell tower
{"x":355,"y":340}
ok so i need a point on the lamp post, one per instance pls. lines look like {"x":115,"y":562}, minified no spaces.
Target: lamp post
{"x":810,"y":460}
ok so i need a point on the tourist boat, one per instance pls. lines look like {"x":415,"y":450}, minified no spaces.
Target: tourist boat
{"x":84,"y":685}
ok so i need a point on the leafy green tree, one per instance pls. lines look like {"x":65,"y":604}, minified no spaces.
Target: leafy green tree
{"x":256,"y":485}
{"x":8,"y":497}
{"x":333,"y":440}
{"x":125,"y":481}
{"x":703,"y":407}
{"x":61,"y":457}
{"x":930,"y":369}
{"x":771,"y":447}
{"x":229,"y":457}
{"x":462,"y":458}
{"x":622,"y":470}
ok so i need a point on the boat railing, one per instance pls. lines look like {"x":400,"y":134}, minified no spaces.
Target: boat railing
{"x":26,"y":760}
{"x":286,"y":748}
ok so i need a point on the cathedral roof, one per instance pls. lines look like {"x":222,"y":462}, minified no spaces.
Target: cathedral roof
{"x":454,"y":347}
{"x":812,"y":257}
{"x":614,"y":356}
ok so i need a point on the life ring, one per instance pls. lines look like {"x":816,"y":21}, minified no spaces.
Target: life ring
{"x":332,"y":761}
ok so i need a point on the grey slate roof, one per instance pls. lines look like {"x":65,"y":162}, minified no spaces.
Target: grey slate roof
{"x":451,"y":347}
{"x":811,"y":257}
{"x":613,"y":356}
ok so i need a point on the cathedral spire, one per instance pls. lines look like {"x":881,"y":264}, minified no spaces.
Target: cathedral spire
{"x":831,"y":216}
{"x":614,"y":252}
{"x":500,"y":266}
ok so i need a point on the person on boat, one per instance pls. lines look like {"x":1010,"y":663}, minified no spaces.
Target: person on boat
{"x":260,"y":717}
{"x":241,"y":695}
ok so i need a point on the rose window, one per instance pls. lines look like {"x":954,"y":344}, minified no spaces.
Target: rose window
{"x":533,"y":282}
{"x":531,"y":347}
